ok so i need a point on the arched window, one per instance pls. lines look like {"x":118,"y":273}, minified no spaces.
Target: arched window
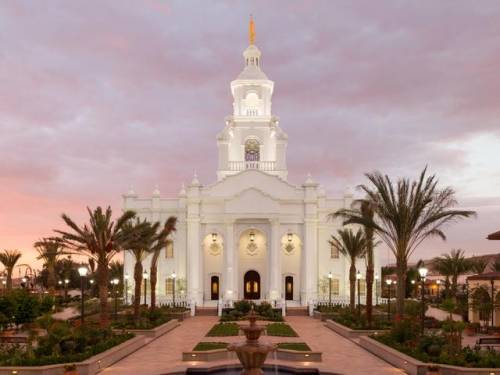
{"x":252,"y":150}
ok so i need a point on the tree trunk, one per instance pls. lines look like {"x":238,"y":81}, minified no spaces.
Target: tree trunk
{"x":103,"y":276}
{"x":352,"y":285}
{"x":9,"y":278}
{"x":137,"y":290}
{"x":454,"y":281}
{"x":154,"y":279}
{"x":51,"y":279}
{"x":401,"y":287}
{"x":369,"y":294}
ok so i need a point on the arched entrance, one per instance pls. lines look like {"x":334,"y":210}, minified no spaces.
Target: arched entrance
{"x":214,"y":288}
{"x":289,"y":288}
{"x":251,"y":281}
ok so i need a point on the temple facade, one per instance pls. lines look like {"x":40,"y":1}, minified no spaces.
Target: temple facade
{"x":251,"y":234}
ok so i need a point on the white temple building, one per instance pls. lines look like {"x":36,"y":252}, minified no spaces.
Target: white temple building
{"x":251,"y":234}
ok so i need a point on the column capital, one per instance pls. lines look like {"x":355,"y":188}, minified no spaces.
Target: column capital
{"x":229,"y":221}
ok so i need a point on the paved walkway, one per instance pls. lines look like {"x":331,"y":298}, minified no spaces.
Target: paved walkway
{"x":163,"y":355}
{"x":439,"y":314}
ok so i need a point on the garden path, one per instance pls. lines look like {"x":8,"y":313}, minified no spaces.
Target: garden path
{"x":163,"y":355}
{"x":439,"y":314}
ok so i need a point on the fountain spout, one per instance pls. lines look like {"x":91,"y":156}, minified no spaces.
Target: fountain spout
{"x":252,"y":354}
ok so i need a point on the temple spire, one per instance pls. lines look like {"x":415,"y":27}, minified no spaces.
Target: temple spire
{"x":251,"y":31}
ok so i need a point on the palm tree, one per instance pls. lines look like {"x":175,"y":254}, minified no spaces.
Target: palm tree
{"x":353,"y":246}
{"x":50,"y":250}
{"x":142,"y":234}
{"x":160,"y":242}
{"x":495,"y":267}
{"x":478,"y":265}
{"x":452,"y":265}
{"x":9,"y":259}
{"x":364,"y":209}
{"x":406,"y":214}
{"x":101,"y":239}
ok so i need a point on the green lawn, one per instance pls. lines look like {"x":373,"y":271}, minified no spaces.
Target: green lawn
{"x":298,"y":346}
{"x":280,"y":329}
{"x":224,"y":329}
{"x":204,"y":346}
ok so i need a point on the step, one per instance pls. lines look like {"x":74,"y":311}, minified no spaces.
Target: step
{"x":297,"y":311}
{"x":206,"y":311}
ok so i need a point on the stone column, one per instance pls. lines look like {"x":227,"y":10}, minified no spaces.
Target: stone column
{"x":310,"y":253}
{"x":275,"y":260}
{"x":194,"y":261}
{"x":231,"y":260}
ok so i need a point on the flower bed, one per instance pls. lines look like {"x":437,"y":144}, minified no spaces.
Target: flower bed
{"x":280,"y":329}
{"x":224,"y":329}
{"x":63,"y":344}
{"x":241,"y":308}
{"x":148,"y":319}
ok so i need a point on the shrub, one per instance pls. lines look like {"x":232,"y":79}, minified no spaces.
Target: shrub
{"x":46,"y":304}
{"x":242,"y":308}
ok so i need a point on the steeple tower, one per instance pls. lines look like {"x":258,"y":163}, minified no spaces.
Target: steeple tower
{"x":252,"y":138}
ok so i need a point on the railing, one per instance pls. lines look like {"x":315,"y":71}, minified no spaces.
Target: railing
{"x":260,"y":165}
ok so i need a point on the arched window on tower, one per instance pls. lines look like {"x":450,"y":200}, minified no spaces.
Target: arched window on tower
{"x":252,"y":150}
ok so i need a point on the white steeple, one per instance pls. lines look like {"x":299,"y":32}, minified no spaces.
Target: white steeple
{"x":252,"y":138}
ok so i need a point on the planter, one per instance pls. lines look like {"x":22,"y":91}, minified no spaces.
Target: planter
{"x":469,"y":331}
{"x":154,"y":332}
{"x":414,"y":366}
{"x":224,"y":354}
{"x":352,"y":333}
{"x":90,"y":366}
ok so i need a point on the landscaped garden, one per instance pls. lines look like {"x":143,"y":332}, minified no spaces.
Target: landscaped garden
{"x":224,"y":329}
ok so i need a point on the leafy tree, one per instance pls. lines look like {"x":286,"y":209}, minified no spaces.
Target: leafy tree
{"x":364,"y":210}
{"x":157,"y":245}
{"x":50,"y":250}
{"x":27,"y":307}
{"x":495,"y":267}
{"x":101,"y":239}
{"x":407,"y":213}
{"x":452,"y":265}
{"x":9,"y":259}
{"x":478,"y":265}
{"x":353,"y":246}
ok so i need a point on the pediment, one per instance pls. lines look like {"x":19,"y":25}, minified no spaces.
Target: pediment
{"x":269,"y":185}
{"x":253,"y":201}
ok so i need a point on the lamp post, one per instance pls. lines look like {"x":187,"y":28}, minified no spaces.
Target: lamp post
{"x":388,"y":282}
{"x":413,"y":287}
{"x":83,"y":272}
{"x":330,"y":277}
{"x":358,"y":277}
{"x":422,"y":271}
{"x":438,"y":283}
{"x":145,"y":278}
{"x":115,"y":282}
{"x":173,"y":288}
{"x":126,"y":287}
{"x":376,"y":289}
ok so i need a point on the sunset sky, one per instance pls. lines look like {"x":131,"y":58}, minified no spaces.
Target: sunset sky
{"x":98,"y":96}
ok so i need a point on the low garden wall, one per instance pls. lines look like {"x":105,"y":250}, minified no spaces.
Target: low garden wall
{"x":224,"y":354}
{"x":90,"y":366}
{"x":152,"y":333}
{"x":349,"y":332}
{"x":413,"y":366}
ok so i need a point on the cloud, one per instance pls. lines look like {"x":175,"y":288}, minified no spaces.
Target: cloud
{"x":94,"y":99}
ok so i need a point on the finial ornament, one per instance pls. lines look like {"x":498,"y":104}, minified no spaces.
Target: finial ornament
{"x":251,"y":31}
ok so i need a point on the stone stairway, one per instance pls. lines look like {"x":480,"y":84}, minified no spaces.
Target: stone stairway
{"x":297,"y":311}
{"x":206,"y":311}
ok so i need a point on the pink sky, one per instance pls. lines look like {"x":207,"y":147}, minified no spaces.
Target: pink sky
{"x":96,"y":96}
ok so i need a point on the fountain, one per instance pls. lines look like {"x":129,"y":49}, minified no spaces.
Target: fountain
{"x":251,"y":353}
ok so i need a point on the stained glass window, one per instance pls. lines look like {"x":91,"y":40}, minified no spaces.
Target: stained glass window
{"x":252,"y":150}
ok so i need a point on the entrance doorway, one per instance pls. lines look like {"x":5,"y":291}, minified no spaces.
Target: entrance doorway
{"x":251,"y":282}
{"x":289,"y":288}
{"x":214,"y":288}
